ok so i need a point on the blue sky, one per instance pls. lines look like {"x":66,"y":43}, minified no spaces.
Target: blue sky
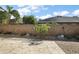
{"x":45,"y":11}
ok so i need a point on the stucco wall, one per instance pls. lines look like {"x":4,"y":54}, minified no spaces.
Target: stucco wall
{"x":69,"y":29}
{"x":16,"y":28}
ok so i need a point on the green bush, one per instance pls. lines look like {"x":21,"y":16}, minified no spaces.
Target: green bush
{"x":77,"y":37}
{"x":29,"y":20}
{"x":69,"y":36}
{"x":42,"y":29}
{"x":3,"y":17}
{"x":72,"y":36}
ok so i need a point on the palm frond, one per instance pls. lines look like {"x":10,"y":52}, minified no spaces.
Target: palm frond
{"x":15,"y":13}
{"x":2,"y":9}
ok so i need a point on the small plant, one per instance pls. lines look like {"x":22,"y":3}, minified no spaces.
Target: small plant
{"x":41,"y":29}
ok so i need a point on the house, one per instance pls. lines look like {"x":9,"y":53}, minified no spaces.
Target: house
{"x":66,"y":25}
{"x":13,"y":20}
{"x":61,"y":20}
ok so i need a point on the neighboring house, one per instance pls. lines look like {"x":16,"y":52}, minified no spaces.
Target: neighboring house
{"x":61,"y":20}
{"x":13,"y":20}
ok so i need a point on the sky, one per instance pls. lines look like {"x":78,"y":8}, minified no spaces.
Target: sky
{"x":46,"y":11}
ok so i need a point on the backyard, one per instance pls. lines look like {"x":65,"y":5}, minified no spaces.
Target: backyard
{"x":29,"y":34}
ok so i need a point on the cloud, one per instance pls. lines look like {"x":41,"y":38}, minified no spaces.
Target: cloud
{"x":37,"y":8}
{"x":76,"y":12}
{"x":20,"y":5}
{"x":28,"y":9}
{"x":45,"y":8}
{"x":24,"y":11}
{"x":34,"y":7}
{"x":45,"y":16}
{"x":61,"y":13}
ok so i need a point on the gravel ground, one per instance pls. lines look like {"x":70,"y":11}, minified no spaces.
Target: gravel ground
{"x":69,"y":47}
{"x":13,"y":45}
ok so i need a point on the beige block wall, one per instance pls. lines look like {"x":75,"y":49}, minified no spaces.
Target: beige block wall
{"x":69,"y":29}
{"x":17,"y":28}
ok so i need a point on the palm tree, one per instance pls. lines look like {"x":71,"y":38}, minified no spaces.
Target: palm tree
{"x":10,"y":11}
{"x":3,"y":16}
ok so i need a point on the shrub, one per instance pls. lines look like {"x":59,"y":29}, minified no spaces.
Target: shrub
{"x":3,"y":17}
{"x":29,"y":20}
{"x":77,"y":37}
{"x":69,"y":36}
{"x":42,"y":29}
{"x":72,"y":36}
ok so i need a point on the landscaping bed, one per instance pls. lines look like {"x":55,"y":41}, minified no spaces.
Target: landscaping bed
{"x":69,"y":47}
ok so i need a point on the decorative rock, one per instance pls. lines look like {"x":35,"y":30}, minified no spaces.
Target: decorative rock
{"x":60,"y":36}
{"x":27,"y":34}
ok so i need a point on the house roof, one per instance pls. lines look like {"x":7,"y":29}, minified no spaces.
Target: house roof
{"x":61,"y":19}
